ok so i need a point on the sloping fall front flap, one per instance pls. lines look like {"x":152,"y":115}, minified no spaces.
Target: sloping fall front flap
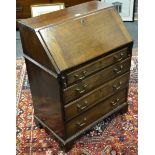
{"x":76,"y":41}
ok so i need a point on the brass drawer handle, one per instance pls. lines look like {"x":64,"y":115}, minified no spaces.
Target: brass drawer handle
{"x":117,"y":87}
{"x":115,"y":101}
{"x":82,"y":107}
{"x":82,"y":90}
{"x":19,"y":9}
{"x":81,"y":124}
{"x":118,"y":69}
{"x":82,"y":77}
{"x":116,"y":58}
{"x":64,"y":80}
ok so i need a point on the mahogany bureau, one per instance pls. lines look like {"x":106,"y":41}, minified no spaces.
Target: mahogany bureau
{"x":78,"y":63}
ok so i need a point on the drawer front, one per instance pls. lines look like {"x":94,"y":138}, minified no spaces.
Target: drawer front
{"x":95,"y":113}
{"x":95,"y":80}
{"x":96,"y":65}
{"x":76,"y":107}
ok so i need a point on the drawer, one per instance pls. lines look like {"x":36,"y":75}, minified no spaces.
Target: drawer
{"x":96,"y":65}
{"x":95,"y":113}
{"x":92,"y":82}
{"x":76,"y":107}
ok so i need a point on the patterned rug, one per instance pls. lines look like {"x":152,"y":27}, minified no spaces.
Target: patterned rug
{"x":116,"y":135}
{"x":20,"y":73}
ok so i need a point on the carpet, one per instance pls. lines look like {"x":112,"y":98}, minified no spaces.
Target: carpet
{"x":20,"y":73}
{"x":116,"y":135}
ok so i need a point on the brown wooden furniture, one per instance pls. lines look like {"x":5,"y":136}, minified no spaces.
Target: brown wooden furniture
{"x":78,"y":63}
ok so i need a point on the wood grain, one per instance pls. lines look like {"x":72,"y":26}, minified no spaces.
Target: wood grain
{"x":95,"y":80}
{"x":87,"y":40}
{"x":78,"y":63}
{"x":95,"y":113}
{"x":97,"y":95}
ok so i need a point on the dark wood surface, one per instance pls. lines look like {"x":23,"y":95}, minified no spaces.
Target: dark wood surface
{"x":45,"y":91}
{"x":87,"y":101}
{"x":23,"y":7}
{"x":94,"y":113}
{"x":76,"y":78}
{"x":97,"y":65}
{"x":86,"y":39}
{"x":69,"y":3}
{"x":64,"y":14}
{"x":91,"y":82}
{"x":33,"y":48}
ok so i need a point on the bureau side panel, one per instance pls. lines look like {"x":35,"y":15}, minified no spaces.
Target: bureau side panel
{"x":45,"y":92}
{"x":33,"y":47}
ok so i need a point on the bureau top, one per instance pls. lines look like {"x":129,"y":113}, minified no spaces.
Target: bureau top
{"x":80,"y":33}
{"x":44,"y":20}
